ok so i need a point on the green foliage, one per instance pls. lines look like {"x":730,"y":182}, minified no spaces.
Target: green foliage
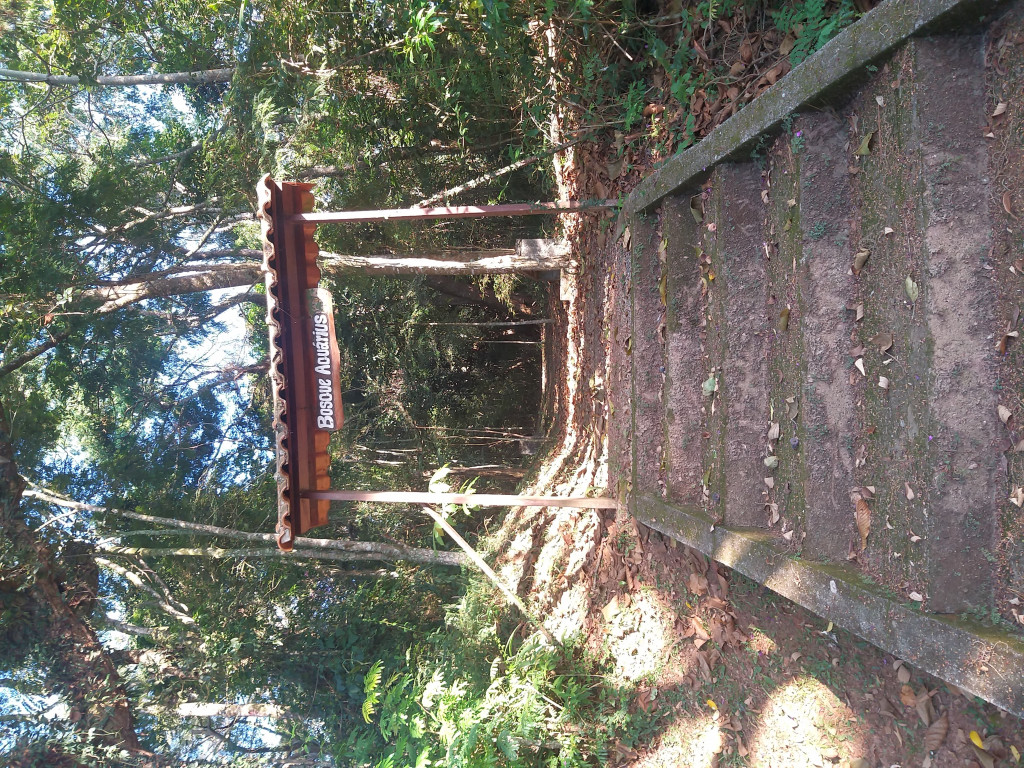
{"x":813,"y":23}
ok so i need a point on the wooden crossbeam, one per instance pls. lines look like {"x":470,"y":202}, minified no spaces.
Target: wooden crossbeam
{"x":473,"y":499}
{"x":453,"y":212}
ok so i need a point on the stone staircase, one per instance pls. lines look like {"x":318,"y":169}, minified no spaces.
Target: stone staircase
{"x":804,"y":380}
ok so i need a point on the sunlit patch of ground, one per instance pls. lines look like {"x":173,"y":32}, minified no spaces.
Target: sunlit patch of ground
{"x":804,"y":723}
{"x":638,"y":634}
{"x":691,"y":741}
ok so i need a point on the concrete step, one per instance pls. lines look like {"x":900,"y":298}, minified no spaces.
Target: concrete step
{"x":930,"y":452}
{"x":734,"y":240}
{"x":686,"y":409}
{"x":618,"y":381}
{"x":647,"y":351}
{"x":828,"y":412}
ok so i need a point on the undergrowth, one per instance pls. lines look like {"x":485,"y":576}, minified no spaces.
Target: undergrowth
{"x":484,"y":691}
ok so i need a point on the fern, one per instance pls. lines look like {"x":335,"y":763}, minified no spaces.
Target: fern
{"x":371,"y":688}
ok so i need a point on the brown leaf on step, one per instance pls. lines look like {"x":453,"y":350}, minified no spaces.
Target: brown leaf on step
{"x":784,"y":319}
{"x":860,"y":259}
{"x":1017,"y":497}
{"x":863,"y":518}
{"x":907,"y":696}
{"x":653,"y":109}
{"x":1005,"y":414}
{"x":909,"y":491}
{"x":865,"y":144}
{"x":936,"y":733}
{"x":774,"y":431}
{"x":1008,"y":204}
{"x":1000,"y":109}
{"x":882,"y":340}
{"x":787,"y":44}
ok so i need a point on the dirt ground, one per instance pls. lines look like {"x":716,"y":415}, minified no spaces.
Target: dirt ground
{"x":724,"y":672}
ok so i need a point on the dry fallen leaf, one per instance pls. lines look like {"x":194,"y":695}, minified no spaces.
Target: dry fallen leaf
{"x":880,"y":101}
{"x":788,"y":535}
{"x":772,"y":462}
{"x":784,"y":319}
{"x":903,"y":675}
{"x":860,"y":259}
{"x":1000,"y":109}
{"x":774,"y":431}
{"x":907,"y":696}
{"x":917,"y":597}
{"x":882,"y":340}
{"x":1004,"y":413}
{"x":986,"y":760}
{"x":923,"y":704}
{"x":883,"y":382}
{"x":910,"y":491}
{"x":912,"y":290}
{"x":859,"y":363}
{"x":863,"y":518}
{"x":936,"y":733}
{"x":1017,"y":497}
{"x":1008,"y":204}
{"x":888,"y":231}
{"x":865,"y":144}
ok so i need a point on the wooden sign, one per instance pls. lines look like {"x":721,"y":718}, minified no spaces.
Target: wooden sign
{"x":303,"y":358}
{"x":326,"y":360}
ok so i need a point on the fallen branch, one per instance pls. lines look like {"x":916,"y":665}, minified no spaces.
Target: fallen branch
{"x":480,"y":180}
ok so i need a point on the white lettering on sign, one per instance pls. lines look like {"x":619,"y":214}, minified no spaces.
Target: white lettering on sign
{"x":326,"y":393}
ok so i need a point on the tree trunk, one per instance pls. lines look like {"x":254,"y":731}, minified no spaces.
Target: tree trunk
{"x":197,"y":77}
{"x":77,"y":664}
{"x":375,"y":551}
{"x":322,"y":549}
{"x":207,"y":277}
